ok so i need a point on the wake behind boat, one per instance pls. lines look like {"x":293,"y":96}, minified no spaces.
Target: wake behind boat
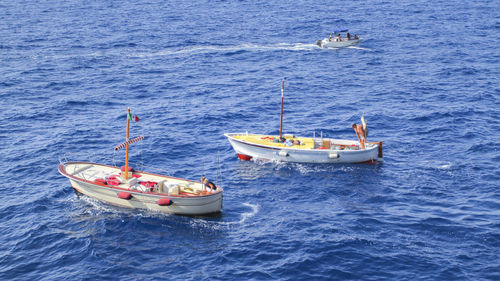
{"x":336,"y":40}
{"x":289,"y":148}
{"x":142,"y":190}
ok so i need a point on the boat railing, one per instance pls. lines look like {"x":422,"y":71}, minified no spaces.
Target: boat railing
{"x":68,"y":157}
{"x":139,"y":166}
{"x":143,"y":167}
{"x":94,"y":158}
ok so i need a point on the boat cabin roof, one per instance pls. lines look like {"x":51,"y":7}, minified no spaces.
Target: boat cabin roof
{"x":340,"y":31}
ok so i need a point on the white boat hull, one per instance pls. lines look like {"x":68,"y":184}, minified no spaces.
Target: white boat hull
{"x":326,"y":43}
{"x":248,"y":150}
{"x":186,"y":204}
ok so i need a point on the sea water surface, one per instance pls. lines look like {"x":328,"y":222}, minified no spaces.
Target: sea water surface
{"x":426,"y":76}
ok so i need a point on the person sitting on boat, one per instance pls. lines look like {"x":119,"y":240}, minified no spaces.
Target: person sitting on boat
{"x":331,"y":37}
{"x":337,"y":38}
{"x":356,"y":37}
{"x":208,"y":184}
{"x":348,"y":36}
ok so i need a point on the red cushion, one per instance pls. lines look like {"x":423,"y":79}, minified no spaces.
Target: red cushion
{"x":113,"y":182}
{"x":148,"y":183}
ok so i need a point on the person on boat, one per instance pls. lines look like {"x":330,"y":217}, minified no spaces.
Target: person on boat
{"x":360,"y":133}
{"x":348,"y":36}
{"x":208,"y":184}
{"x":337,"y":38}
{"x":356,"y":37}
{"x":331,"y":37}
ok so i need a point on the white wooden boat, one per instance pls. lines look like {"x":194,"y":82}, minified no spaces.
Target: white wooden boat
{"x":142,"y":190}
{"x":336,"y":40}
{"x":289,"y":148}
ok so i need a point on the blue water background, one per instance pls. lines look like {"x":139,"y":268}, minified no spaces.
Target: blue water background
{"x":426,"y":76}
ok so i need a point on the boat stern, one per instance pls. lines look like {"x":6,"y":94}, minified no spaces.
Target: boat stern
{"x":380,"y":155}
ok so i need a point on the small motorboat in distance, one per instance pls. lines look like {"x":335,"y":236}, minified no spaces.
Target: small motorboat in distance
{"x":336,"y":40}
{"x":289,"y":148}
{"x":123,"y":186}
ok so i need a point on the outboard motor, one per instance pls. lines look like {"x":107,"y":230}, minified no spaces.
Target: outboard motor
{"x":318,"y":43}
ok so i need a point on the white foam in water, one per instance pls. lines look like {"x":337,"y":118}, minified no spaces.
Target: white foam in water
{"x":216,"y":224}
{"x":253,"y":212}
{"x":210,"y":48}
{"x":98,"y":208}
{"x":446,"y":166}
{"x":359,"y":48}
{"x":436,"y":164}
{"x":231,"y":48}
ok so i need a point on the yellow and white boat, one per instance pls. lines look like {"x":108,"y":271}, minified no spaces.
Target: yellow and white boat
{"x":303,"y":149}
{"x":142,"y":190}
{"x":289,"y":148}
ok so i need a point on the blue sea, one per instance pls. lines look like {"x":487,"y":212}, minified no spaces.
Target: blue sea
{"x":426,"y":77}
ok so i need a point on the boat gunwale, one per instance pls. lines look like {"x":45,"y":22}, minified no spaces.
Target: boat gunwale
{"x":63,"y":172}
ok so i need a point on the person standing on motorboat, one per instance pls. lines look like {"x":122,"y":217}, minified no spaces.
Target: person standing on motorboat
{"x":356,"y":37}
{"x":348,"y":36}
{"x":331,"y":37}
{"x":337,"y":38}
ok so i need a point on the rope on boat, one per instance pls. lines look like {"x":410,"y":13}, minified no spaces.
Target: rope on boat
{"x":124,"y":144}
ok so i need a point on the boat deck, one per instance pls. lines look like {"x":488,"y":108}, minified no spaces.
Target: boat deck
{"x":138,"y":181}
{"x":305,"y":143}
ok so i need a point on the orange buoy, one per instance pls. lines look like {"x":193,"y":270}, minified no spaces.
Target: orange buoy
{"x":244,"y":157}
{"x":165,"y":202}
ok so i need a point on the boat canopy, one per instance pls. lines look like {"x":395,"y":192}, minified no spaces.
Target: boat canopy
{"x":340,"y":30}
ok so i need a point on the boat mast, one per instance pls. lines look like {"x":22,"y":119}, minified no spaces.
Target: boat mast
{"x":281,"y":120}
{"x":126,"y":146}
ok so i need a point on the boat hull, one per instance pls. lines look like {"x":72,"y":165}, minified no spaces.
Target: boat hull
{"x":326,"y":43}
{"x":179,"y":204}
{"x":250,"y":150}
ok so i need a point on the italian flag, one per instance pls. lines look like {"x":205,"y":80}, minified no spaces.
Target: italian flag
{"x":133,"y":117}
